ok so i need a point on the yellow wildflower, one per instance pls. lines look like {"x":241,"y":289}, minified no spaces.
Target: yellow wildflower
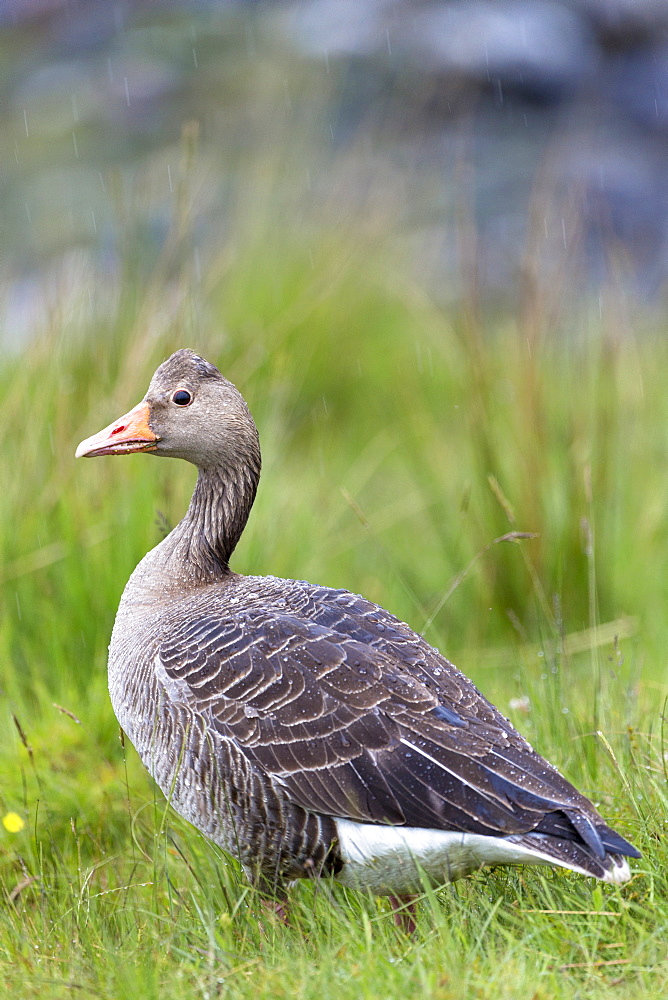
{"x":13,"y":822}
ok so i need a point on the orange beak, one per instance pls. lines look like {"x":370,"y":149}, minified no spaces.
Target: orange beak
{"x":124,"y":437}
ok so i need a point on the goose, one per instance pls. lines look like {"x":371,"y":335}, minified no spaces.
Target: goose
{"x":303,"y":729}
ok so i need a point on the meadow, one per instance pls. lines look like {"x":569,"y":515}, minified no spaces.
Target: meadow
{"x":408,"y":449}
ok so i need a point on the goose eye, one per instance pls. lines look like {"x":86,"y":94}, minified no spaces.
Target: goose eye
{"x":181,"y":397}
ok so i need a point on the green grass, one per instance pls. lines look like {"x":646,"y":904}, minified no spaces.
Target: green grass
{"x":400,"y":441}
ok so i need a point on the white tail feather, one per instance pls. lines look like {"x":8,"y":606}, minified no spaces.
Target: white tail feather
{"x":392,"y":860}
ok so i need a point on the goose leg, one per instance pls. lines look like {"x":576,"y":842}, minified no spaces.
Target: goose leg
{"x":278,"y":908}
{"x":404,"y":910}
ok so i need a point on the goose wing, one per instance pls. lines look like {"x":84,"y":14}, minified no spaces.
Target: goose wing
{"x":374,"y":731}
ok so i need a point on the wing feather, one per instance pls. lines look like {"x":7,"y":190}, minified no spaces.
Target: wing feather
{"x":358,"y":717}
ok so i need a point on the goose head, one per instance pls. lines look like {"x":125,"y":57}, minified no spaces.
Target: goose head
{"x":190,"y":411}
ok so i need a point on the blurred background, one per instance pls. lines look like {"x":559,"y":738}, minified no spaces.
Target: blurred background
{"x":493,"y":142}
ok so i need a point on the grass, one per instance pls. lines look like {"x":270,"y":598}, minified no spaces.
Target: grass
{"x":401,"y":441}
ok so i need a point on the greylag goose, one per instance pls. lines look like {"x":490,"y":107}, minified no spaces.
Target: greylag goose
{"x":306,"y":730}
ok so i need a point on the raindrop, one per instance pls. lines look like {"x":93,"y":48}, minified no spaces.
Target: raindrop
{"x":127,"y":91}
